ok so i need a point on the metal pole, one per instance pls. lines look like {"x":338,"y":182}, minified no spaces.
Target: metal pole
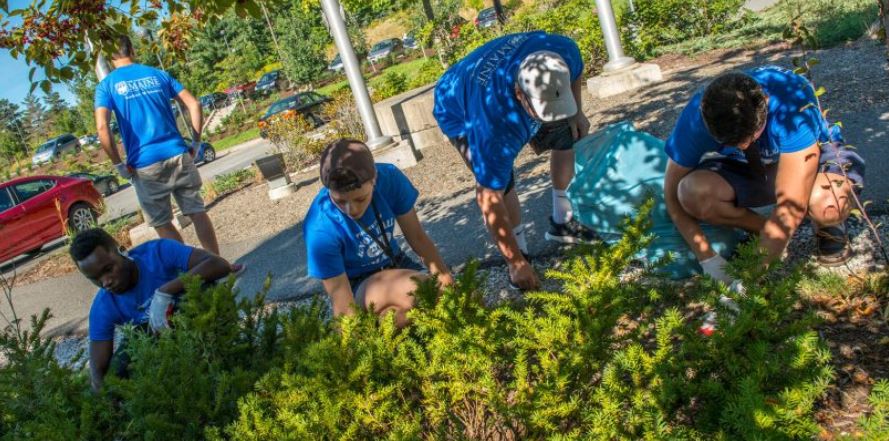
{"x":616,"y":58}
{"x":340,"y":35}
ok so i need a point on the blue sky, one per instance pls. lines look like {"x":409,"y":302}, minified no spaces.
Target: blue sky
{"x":15,"y":80}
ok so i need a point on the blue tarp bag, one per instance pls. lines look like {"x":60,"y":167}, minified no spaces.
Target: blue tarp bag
{"x":616,"y":169}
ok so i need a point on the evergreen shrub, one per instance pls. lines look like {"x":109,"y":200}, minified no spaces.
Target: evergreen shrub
{"x":654,"y":23}
{"x":614,"y":355}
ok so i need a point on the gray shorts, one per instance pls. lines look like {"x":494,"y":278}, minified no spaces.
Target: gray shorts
{"x":176,"y":176}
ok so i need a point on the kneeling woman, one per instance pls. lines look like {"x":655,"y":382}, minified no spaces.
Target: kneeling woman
{"x":349,"y":233}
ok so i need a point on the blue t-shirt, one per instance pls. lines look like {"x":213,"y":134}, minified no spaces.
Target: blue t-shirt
{"x":140,"y":98}
{"x":792,"y":124}
{"x":337,"y":244}
{"x":475,"y":99}
{"x":159,"y":261}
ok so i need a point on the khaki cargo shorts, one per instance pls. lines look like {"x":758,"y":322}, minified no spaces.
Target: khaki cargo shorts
{"x":176,"y":176}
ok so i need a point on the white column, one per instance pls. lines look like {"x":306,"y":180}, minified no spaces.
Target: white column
{"x":616,"y":58}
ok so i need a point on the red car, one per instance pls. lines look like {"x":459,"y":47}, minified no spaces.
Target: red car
{"x":36,"y":210}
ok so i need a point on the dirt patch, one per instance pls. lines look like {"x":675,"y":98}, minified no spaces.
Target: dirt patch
{"x":56,"y":265}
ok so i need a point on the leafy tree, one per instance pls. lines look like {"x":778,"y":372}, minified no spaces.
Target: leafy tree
{"x":303,"y":39}
{"x":34,"y":120}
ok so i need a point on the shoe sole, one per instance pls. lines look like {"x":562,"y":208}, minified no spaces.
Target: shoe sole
{"x":563,"y":239}
{"x":832,"y":261}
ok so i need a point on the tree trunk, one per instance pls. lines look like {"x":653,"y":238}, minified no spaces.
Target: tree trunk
{"x":884,"y":19}
{"x":498,"y":8}
{"x":427,"y":9}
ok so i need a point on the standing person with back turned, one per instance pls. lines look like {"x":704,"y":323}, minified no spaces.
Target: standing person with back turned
{"x":517,"y":89}
{"x":158,"y":162}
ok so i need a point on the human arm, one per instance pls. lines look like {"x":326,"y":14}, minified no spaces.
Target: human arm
{"x":208,"y":266}
{"x":341,"y":296}
{"x":100,"y":360}
{"x":580,"y":125}
{"x":186,"y":99}
{"x":688,"y":227}
{"x":493,"y":207}
{"x":106,"y":139}
{"x":424,"y":247}
{"x":793,"y":186}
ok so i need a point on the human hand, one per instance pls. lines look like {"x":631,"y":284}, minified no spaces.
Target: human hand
{"x":715,"y":268}
{"x":445,"y":279}
{"x":580,"y":125}
{"x":160,"y":310}
{"x":523,"y":275}
{"x":124,"y":170}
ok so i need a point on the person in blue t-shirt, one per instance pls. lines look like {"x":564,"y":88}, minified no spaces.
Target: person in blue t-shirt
{"x":140,"y":287}
{"x":759,"y":139}
{"x":349,"y":233}
{"x":514,"y":90}
{"x":158,"y":161}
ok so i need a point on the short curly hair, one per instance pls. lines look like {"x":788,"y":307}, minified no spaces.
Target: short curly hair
{"x":88,"y":240}
{"x":734,"y":107}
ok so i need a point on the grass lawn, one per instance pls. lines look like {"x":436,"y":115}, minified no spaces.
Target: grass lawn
{"x":406,"y":68}
{"x":238,"y":138}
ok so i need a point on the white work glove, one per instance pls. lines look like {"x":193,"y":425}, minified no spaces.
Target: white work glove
{"x":715,"y":268}
{"x":123,"y":170}
{"x":160,"y":310}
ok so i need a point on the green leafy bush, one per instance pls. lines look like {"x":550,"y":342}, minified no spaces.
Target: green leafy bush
{"x":390,"y":84}
{"x":428,"y":73}
{"x":227,"y":182}
{"x":655,"y":23}
{"x":611,"y":356}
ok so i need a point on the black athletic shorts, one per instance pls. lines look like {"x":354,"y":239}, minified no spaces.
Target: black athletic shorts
{"x":755,"y":190}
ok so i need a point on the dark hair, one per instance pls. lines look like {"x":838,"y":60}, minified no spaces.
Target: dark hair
{"x":734,"y":107}
{"x":123,"y":47}
{"x":88,"y":240}
{"x":343,"y":179}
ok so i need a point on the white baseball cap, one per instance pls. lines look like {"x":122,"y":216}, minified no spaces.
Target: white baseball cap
{"x":545,"y":79}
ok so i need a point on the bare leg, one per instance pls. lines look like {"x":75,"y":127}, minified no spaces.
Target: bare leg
{"x":708,"y":197}
{"x":168,"y":231}
{"x":390,"y":290}
{"x":830,"y":201}
{"x":561,"y":168}
{"x":203,"y":227}
{"x":513,"y":208}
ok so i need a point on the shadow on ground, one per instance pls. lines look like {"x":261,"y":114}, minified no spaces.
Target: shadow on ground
{"x":453,"y":221}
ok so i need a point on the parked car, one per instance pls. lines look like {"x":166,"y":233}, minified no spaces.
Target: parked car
{"x":206,"y":152}
{"x":336,"y":64}
{"x":36,"y":210}
{"x":87,"y":140}
{"x":486,"y":18}
{"x":244,"y":90}
{"x":271,"y":82}
{"x":385,"y":48}
{"x":410,"y":41}
{"x":455,"y":28}
{"x":106,"y":185}
{"x":53,"y":149}
{"x":214,"y":100}
{"x":306,"y":103}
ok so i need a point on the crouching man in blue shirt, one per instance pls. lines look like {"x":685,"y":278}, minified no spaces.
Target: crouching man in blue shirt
{"x":349,"y":234}
{"x":758,"y":139}
{"x":140,"y":287}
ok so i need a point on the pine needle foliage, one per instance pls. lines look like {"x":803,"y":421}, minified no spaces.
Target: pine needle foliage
{"x":608,"y":357}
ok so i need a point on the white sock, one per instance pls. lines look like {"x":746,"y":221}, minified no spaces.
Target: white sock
{"x":519,"y":232}
{"x":561,"y":206}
